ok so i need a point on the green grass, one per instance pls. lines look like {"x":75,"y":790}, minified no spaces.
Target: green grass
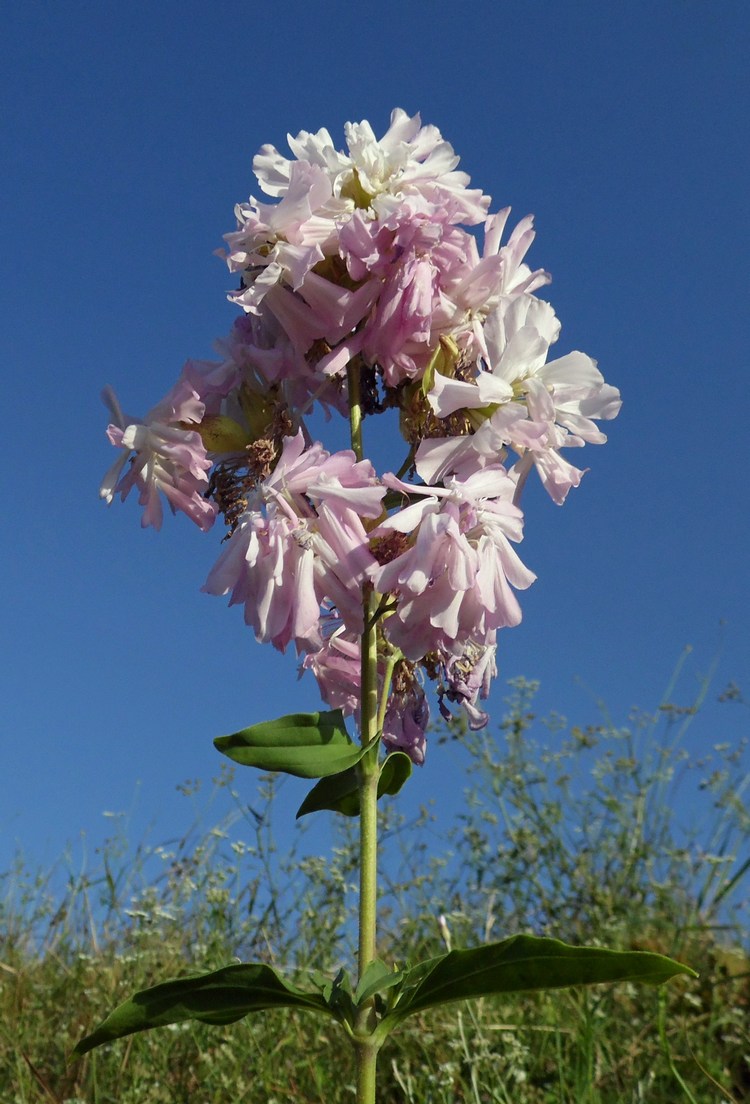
{"x":566,"y":831}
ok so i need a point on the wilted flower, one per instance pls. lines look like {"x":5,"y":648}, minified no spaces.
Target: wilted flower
{"x":466,"y":678}
{"x":406,"y":721}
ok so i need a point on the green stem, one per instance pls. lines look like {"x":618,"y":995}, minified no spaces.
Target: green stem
{"x":366,"y":1048}
{"x":355,"y":410}
{"x":385,"y":690}
{"x":369,"y":769}
{"x":367,"y":1060}
{"x":368,"y":853}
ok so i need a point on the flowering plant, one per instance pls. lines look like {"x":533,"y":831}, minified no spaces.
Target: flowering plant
{"x":373,"y":280}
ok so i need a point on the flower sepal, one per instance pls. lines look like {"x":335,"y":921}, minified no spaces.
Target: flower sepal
{"x":221,"y":434}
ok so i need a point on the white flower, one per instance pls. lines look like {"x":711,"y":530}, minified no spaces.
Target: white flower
{"x":522,"y":400}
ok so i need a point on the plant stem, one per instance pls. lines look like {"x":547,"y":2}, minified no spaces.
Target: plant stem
{"x":368,"y":772}
{"x":367,"y":1059}
{"x":355,"y":410}
{"x":365,"y":1046}
{"x":368,"y":857}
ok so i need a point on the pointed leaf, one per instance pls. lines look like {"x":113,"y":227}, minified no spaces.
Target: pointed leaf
{"x":338,"y":996}
{"x":523,"y":962}
{"x":373,"y":975}
{"x":220,"y":997}
{"x":376,"y":978}
{"x":308,"y":745}
{"x":296,"y":729}
{"x":395,"y":773}
{"x":339,"y":793}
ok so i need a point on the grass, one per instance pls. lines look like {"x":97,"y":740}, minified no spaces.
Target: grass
{"x":567,"y":831}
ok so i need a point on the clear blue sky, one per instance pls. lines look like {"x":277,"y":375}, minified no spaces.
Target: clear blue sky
{"x":128,"y":132}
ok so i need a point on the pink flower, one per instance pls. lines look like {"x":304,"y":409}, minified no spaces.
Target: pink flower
{"x":453,"y":582}
{"x":433,"y":283}
{"x":390,"y":209}
{"x":421,"y":255}
{"x":492,"y":283}
{"x":165,"y":458}
{"x":301,"y":544}
{"x":269,"y":566}
{"x":408,"y":160}
{"x":258,"y":356}
{"x":336,"y":666}
{"x":284,"y":241}
{"x":534,"y":406}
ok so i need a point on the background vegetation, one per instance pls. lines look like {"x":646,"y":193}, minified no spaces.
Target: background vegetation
{"x":566,"y":831}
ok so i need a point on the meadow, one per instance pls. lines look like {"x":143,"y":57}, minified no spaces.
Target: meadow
{"x":576,"y":832}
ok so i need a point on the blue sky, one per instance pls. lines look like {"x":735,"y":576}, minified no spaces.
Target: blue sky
{"x":127,"y":136}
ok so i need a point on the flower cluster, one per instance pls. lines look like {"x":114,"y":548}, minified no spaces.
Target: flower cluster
{"x":373,"y":278}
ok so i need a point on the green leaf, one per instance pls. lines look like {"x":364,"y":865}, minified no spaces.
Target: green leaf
{"x":340,"y":792}
{"x":523,"y":962}
{"x":337,"y":994}
{"x":308,"y":745}
{"x":337,"y":793}
{"x":375,"y":979}
{"x":395,"y":773}
{"x":220,"y":997}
